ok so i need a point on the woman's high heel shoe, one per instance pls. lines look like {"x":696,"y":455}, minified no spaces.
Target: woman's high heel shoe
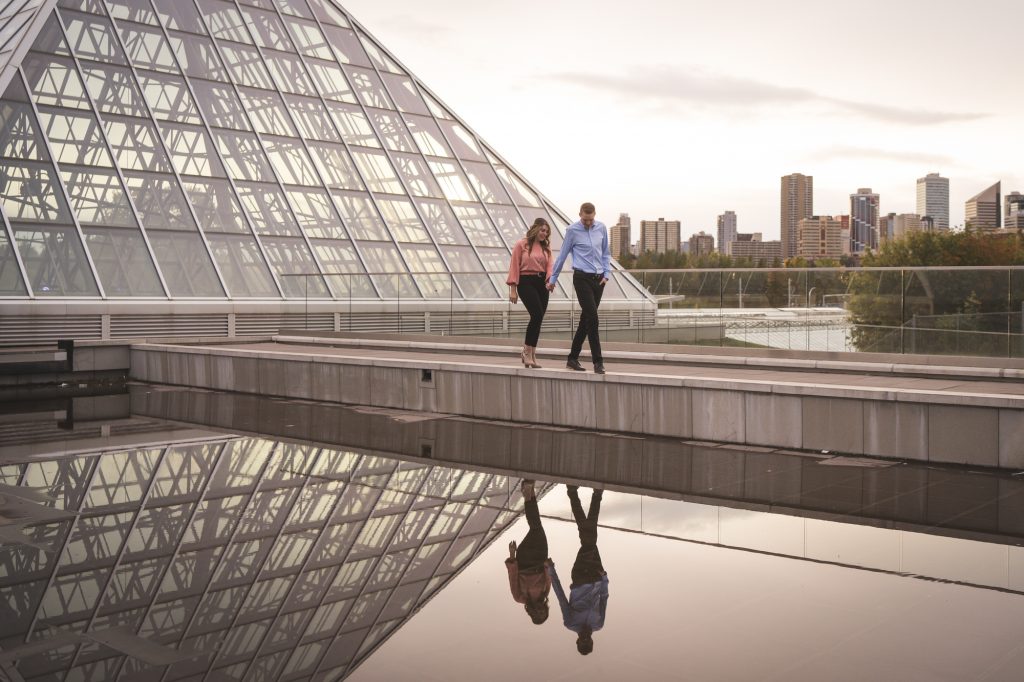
{"x":525,"y":356}
{"x":533,"y":358}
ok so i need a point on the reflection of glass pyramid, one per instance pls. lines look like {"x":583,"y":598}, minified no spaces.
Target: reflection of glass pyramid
{"x":215,"y":149}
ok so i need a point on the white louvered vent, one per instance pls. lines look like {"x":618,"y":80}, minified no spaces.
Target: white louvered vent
{"x":29,"y":330}
{"x":137,"y":326}
{"x":256,"y":324}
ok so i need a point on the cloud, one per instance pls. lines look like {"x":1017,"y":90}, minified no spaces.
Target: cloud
{"x":917,"y":158}
{"x":695,"y":87}
{"x":404,"y":23}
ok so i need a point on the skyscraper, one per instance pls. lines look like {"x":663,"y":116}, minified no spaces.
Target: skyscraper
{"x":726,"y":230}
{"x":1014,"y":216}
{"x":983,"y":210}
{"x":820,"y":237}
{"x":863,"y":220}
{"x":659,"y":236}
{"x":797,"y":203}
{"x":933,"y":199}
{"x":701,"y":244}
{"x":621,"y":236}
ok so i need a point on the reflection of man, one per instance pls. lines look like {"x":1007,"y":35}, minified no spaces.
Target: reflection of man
{"x":587,"y":241}
{"x":583,"y":612}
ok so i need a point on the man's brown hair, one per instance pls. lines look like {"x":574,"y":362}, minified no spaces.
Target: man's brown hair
{"x":587,"y":207}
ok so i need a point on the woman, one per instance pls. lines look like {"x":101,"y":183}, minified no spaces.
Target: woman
{"x":527,"y":574}
{"x":528,"y":274}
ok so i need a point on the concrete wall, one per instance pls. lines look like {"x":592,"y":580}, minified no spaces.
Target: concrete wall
{"x":982,"y":430}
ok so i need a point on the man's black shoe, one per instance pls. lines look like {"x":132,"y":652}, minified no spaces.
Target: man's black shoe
{"x":574,"y":364}
{"x":599,"y":368}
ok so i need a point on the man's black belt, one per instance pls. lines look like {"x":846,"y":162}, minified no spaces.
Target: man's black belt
{"x":587,"y":274}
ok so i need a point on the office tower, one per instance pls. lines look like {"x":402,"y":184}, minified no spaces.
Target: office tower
{"x":701,"y":244}
{"x":746,"y":246}
{"x":886,"y":227}
{"x":983,"y":210}
{"x":659,"y":236}
{"x":620,"y":236}
{"x":933,"y":199}
{"x":820,"y":237}
{"x":1014,"y":215}
{"x":270,"y":153}
{"x":797,"y":200}
{"x":908,"y":223}
{"x":726,"y":230}
{"x":863,"y":220}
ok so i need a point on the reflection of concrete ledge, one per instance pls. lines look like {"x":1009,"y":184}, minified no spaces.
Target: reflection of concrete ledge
{"x":942,"y":414}
{"x":941,"y":501}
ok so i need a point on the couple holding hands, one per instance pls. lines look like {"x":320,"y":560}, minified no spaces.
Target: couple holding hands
{"x":532,"y":276}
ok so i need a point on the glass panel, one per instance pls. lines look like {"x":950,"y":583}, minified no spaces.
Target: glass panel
{"x":312,"y":118}
{"x":219,"y":104}
{"x":315,"y":213}
{"x":353,"y":124}
{"x":360,"y":216}
{"x":136,"y":145}
{"x":495,"y":261}
{"x":242,"y":267}
{"x":331,"y":81}
{"x":92,"y":37}
{"x":463,"y":141}
{"x":425,"y":259}
{"x":418,"y":178}
{"x":462,"y":259}
{"x":185,"y":264}
{"x":510,"y":225}
{"x":54,"y":261}
{"x":477,"y":226}
{"x":224,"y":21}
{"x":10,"y":275}
{"x":380,"y":59}
{"x":346,"y":46}
{"x":428,"y":136}
{"x":368,"y":87}
{"x":191,"y":150}
{"x":19,"y":135}
{"x":51,"y":39}
{"x":147,"y":48}
{"x":246,"y":66}
{"x":215,"y":205}
{"x":97,"y":197}
{"x":74,"y":138}
{"x":54,"y":81}
{"x":486,"y":183}
{"x":113,"y":89}
{"x":267,"y":29}
{"x":267,"y":209}
{"x":296,"y":7}
{"x":180,"y":16}
{"x":288,"y":73}
{"x":401,"y":217}
{"x":123,"y":262}
{"x":169,"y":98}
{"x":435,"y":108}
{"x":326,"y":11}
{"x":403,"y":90}
{"x":159,"y":201}
{"x":291,"y":161}
{"x":521,"y":194}
{"x":242,"y":156}
{"x":292,"y":256}
{"x":377,"y":171}
{"x":310,"y":39}
{"x":392,"y":131}
{"x":197,"y":56}
{"x":267,"y":112}
{"x":442,"y":222}
{"x":453,"y":182}
{"x":384,"y":258}
{"x":30,"y":192}
{"x":337,"y":257}
{"x":335,"y":165}
{"x":132,"y":10}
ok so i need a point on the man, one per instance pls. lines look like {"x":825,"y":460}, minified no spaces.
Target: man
{"x":584,"y":611}
{"x":587,"y":241}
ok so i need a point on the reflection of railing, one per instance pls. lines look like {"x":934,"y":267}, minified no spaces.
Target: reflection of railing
{"x":933,"y":310}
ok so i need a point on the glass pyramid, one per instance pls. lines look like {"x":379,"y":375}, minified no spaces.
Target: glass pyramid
{"x":254,"y":149}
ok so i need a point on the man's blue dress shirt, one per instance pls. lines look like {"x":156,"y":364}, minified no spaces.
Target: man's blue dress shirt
{"x":586,"y":605}
{"x":589,"y":248}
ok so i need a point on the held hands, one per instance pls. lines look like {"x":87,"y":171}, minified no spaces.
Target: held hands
{"x":604,"y":280}
{"x":550,"y":286}
{"x":513,"y":295}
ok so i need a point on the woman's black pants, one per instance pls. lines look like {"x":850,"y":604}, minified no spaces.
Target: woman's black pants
{"x":533,"y":292}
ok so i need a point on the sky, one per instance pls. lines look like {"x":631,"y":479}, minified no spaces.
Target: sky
{"x":683,"y":109}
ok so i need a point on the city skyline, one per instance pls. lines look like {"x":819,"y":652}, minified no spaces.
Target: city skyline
{"x":680,"y":125}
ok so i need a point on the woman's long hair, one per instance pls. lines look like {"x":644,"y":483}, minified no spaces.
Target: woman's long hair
{"x":532,"y":237}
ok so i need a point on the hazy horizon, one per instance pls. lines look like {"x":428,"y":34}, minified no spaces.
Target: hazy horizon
{"x":683,"y":111}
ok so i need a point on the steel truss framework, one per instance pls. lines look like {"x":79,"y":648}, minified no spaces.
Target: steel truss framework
{"x":266,"y":560}
{"x":242,"y":149}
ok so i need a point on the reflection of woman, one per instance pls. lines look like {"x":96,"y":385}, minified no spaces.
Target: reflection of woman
{"x":584,"y":610}
{"x":527,"y":578}
{"x":528,"y":275}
